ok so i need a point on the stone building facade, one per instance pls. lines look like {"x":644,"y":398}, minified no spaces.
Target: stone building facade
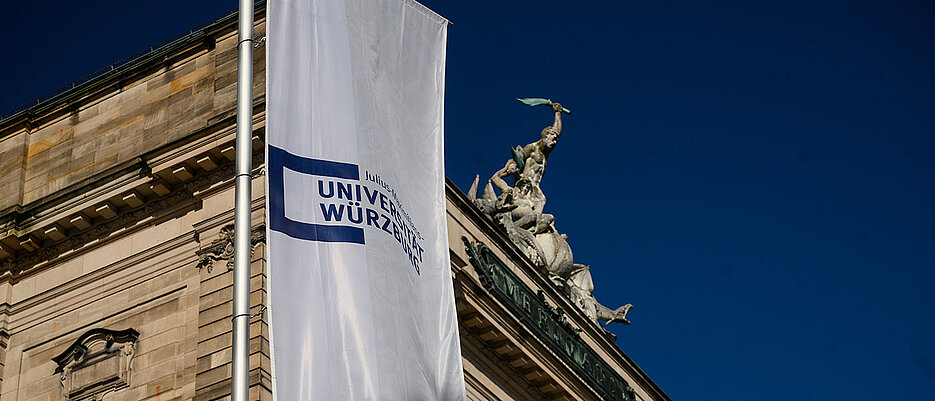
{"x":115,"y":251}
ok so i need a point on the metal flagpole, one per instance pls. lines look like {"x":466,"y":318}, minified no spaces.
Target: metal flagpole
{"x":240,"y":369}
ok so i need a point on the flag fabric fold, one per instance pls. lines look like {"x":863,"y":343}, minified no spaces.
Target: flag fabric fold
{"x":361,"y":298}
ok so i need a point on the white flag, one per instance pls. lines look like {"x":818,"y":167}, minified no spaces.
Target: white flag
{"x":361,"y":298}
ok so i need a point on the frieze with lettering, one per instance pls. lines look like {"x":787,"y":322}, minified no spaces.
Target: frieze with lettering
{"x":547,"y":323}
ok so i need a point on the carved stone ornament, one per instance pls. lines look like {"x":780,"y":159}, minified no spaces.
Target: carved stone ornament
{"x":97,"y":363}
{"x":222,"y":248}
{"x":519,"y":211}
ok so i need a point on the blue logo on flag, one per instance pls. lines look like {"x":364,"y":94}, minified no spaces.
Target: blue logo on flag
{"x":349,"y":204}
{"x":280,"y":159}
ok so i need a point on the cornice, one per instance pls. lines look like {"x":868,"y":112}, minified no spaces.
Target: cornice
{"x":547,"y":324}
{"x":470,"y":339}
{"x":154,"y":163}
{"x":179,"y":197}
{"x":499,"y":240}
{"x":495,"y":328}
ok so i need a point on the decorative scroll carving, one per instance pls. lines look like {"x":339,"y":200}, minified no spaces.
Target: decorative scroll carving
{"x":97,"y":363}
{"x":222,"y":248}
{"x":518,"y":210}
{"x":547,"y":323}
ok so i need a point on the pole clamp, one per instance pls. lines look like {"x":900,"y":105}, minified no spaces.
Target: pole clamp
{"x":250,"y":315}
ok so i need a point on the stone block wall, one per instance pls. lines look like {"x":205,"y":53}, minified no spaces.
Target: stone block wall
{"x":142,"y":267}
{"x":153,"y":292}
{"x":214,"y":332}
{"x":102,"y":130}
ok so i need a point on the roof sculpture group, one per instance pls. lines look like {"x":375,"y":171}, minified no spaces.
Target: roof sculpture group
{"x":518,"y":209}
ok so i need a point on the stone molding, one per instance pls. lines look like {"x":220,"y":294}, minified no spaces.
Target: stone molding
{"x":181,"y":196}
{"x":505,"y":362}
{"x":97,"y":363}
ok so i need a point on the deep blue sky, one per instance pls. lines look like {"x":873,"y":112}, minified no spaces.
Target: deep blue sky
{"x":756,"y":177}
